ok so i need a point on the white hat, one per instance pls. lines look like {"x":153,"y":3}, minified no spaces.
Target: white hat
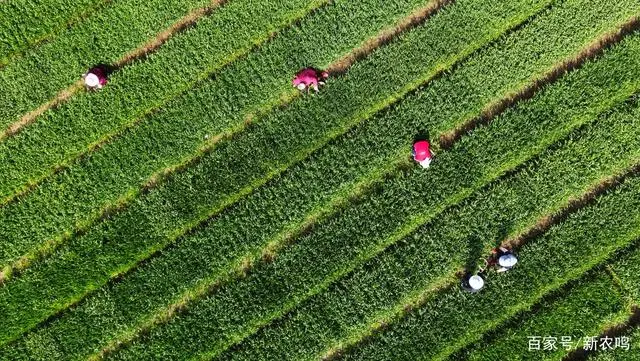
{"x":91,"y":80}
{"x":507,"y":260}
{"x":301,"y":86}
{"x":476,"y":282}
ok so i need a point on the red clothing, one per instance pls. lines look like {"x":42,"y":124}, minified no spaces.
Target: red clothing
{"x":421,"y":151}
{"x":308,"y":77}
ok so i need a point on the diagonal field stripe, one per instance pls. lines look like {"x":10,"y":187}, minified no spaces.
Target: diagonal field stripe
{"x":369,"y":45}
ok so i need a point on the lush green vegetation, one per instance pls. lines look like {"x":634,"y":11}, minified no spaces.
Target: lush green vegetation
{"x":25,"y":23}
{"x":454,"y":319}
{"x":124,"y":248}
{"x":211,"y":241}
{"x":135,"y":91}
{"x":104,"y":37}
{"x":117,"y":168}
{"x":141,"y":233}
{"x":375,"y":289}
{"x":199,"y":208}
{"x":563,"y":314}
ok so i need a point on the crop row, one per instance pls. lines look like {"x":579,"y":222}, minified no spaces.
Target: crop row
{"x":153,"y":221}
{"x":169,"y":137}
{"x":91,"y":118}
{"x":99,"y":177}
{"x":113,"y":253}
{"x":105,"y":37}
{"x":627,"y":272}
{"x":329,"y":247}
{"x":578,"y":311}
{"x":24,"y":23}
{"x":265,"y":132}
{"x":625,"y":269}
{"x":454,"y":319}
{"x":420,"y":260}
{"x":261,"y":80}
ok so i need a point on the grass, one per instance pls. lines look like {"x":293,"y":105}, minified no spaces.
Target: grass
{"x":103,"y":178}
{"x":579,"y":311}
{"x":104,"y":37}
{"x":420,"y":261}
{"x":90,"y":118}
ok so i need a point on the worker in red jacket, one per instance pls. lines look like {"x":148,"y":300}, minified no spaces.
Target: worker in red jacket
{"x":309,"y":78}
{"x":95,"y":78}
{"x":422,"y":153}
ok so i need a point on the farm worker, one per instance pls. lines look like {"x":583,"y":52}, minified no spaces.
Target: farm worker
{"x":502,"y":258}
{"x":422,"y":153}
{"x":309,"y":78}
{"x":506,"y":262}
{"x":473,"y":283}
{"x":95,"y":78}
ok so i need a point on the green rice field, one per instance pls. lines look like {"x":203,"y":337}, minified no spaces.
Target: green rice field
{"x":199,"y":207}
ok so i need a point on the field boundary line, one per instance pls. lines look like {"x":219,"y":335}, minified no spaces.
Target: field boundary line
{"x":36,"y":43}
{"x":572,"y":204}
{"x":616,"y":329}
{"x":384,"y":37}
{"x":557,"y":295}
{"x":409,"y":303}
{"x":569,"y":207}
{"x":622,"y":289}
{"x":141,"y":52}
{"x":593,"y":49}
